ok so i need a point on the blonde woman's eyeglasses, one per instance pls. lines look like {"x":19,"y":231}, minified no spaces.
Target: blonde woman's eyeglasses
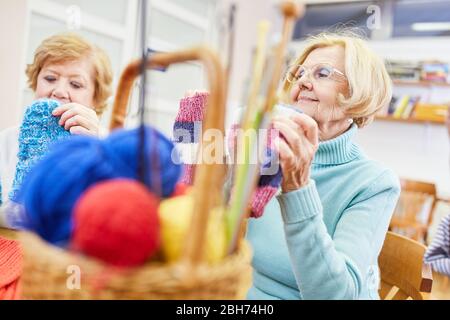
{"x":319,"y":72}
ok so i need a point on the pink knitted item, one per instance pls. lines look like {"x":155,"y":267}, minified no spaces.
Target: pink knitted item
{"x":192,"y":108}
{"x":187,"y":176}
{"x":10,"y":269}
{"x":260,"y":198}
{"x":187,"y":131}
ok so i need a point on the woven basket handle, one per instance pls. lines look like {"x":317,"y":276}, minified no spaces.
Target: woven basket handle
{"x":209,"y":177}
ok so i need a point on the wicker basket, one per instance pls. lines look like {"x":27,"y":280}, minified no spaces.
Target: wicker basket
{"x":50,"y":273}
{"x":53,"y":273}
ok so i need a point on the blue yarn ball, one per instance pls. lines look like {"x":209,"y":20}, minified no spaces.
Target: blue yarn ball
{"x":38,"y":130}
{"x":51,"y":189}
{"x":163,"y":161}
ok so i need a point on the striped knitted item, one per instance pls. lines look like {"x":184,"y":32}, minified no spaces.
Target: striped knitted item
{"x":39,"y":128}
{"x":269,"y":182}
{"x":187,"y":132}
{"x":10,"y":269}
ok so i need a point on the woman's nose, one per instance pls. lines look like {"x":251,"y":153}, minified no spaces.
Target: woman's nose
{"x":60,"y":91}
{"x":305,"y":82}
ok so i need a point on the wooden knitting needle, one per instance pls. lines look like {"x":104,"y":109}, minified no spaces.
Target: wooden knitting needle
{"x":291,"y":12}
{"x":242,"y":187}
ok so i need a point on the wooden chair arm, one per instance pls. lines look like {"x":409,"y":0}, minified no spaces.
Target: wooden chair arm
{"x":427,"y":278}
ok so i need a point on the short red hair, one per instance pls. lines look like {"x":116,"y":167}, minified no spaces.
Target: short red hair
{"x":71,"y":47}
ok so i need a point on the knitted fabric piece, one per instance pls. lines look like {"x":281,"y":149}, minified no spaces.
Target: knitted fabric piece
{"x":187,"y":132}
{"x":39,"y":128}
{"x":10,"y":269}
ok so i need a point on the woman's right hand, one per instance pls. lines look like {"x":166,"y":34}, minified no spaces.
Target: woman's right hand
{"x":297,"y":145}
{"x":78,"y":119}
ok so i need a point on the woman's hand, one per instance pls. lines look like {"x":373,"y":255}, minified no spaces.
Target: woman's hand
{"x":297,"y":145}
{"x":78,"y":119}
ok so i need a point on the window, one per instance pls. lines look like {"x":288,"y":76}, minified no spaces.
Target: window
{"x":173,"y":25}
{"x":421,"y":18}
{"x":321,"y":17}
{"x":110,"y":29}
{"x":398,"y":18}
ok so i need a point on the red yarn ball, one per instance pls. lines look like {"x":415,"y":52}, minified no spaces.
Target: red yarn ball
{"x":117,"y":222}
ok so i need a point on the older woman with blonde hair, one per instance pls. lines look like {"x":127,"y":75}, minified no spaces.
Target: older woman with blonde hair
{"x":69,"y":69}
{"x":321,"y":237}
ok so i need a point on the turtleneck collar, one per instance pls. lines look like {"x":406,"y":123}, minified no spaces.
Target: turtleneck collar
{"x":338,"y":150}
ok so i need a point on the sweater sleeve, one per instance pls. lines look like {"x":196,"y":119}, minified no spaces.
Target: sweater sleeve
{"x":335,"y":267}
{"x":438,"y":252}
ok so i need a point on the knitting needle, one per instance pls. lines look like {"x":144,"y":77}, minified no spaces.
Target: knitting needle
{"x":291,"y":12}
{"x":142,"y":161}
{"x":240,"y":192}
{"x":231,"y":39}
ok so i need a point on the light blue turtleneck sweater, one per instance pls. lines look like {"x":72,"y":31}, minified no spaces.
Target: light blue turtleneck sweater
{"x":323,"y":240}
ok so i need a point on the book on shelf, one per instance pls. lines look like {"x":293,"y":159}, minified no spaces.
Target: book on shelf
{"x":435,"y":71}
{"x":404,"y":70}
{"x":410,"y":107}
{"x":416,"y":71}
{"x":431,"y":112}
{"x":400,"y":106}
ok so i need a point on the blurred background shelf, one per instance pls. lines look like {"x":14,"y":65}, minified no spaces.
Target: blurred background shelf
{"x":420,"y":83}
{"x":409,"y":120}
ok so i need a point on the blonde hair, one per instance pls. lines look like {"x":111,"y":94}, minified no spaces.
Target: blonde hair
{"x":71,"y":47}
{"x":370,"y":87}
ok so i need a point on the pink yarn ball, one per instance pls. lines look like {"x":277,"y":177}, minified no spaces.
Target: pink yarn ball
{"x":117,"y":221}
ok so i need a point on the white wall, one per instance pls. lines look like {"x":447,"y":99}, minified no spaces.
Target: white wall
{"x":415,"y":151}
{"x":12,"y":35}
{"x":414,"y":48}
{"x":248,"y":14}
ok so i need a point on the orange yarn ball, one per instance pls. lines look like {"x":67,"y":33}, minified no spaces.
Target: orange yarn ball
{"x":117,"y":221}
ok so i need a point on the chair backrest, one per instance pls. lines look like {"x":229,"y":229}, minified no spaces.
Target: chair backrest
{"x":422,"y":188}
{"x":403,"y":273}
{"x":414,"y":211}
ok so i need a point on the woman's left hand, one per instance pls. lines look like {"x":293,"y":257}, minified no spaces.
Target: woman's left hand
{"x":78,"y":119}
{"x":298,"y":143}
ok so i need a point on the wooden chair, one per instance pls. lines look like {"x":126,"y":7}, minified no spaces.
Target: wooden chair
{"x":414,"y":211}
{"x":404,"y":276}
